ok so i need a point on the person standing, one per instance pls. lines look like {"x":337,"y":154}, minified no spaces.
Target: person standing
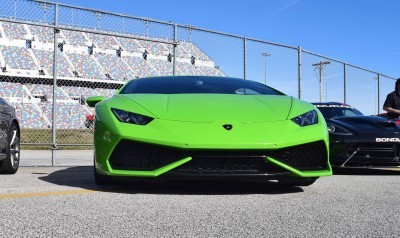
{"x":392,"y":102}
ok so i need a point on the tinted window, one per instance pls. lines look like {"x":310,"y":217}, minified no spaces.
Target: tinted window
{"x":330,"y":111}
{"x":195,"y":84}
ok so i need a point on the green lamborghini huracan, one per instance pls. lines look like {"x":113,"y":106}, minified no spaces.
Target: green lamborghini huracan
{"x":212,"y":128}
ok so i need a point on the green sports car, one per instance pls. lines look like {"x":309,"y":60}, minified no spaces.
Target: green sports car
{"x":212,"y":128}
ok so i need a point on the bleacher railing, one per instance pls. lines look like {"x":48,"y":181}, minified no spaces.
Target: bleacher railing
{"x":53,"y":56}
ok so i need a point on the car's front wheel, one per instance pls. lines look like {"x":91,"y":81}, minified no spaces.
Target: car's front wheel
{"x":11,"y":164}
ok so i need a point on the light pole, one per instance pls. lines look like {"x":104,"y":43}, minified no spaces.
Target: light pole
{"x":45,"y":8}
{"x":320,"y":65}
{"x":190,"y":32}
{"x":98,"y":16}
{"x":265,"y":54}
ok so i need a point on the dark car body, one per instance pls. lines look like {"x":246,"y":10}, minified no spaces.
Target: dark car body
{"x":9,"y":139}
{"x":395,"y":120}
{"x":360,"y":141}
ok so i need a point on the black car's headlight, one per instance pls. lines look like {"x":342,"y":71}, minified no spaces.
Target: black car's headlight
{"x":338,"y":130}
{"x":306,"y":119}
{"x":130,"y":117}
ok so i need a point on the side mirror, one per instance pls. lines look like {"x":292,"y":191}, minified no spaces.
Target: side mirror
{"x":92,"y":101}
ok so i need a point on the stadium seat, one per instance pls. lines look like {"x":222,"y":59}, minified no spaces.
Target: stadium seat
{"x":14,"y":30}
{"x":86,"y":66}
{"x":45,"y":59}
{"x":115,"y":67}
{"x":140,"y":66}
{"x":17,"y":57}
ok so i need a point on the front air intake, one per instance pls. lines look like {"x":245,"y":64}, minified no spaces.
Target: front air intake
{"x":133,"y":155}
{"x":311,"y":156}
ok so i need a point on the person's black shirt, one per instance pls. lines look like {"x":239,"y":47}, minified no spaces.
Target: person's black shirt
{"x":393,"y":101}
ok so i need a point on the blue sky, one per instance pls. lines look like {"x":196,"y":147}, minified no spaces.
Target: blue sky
{"x":361,"y":32}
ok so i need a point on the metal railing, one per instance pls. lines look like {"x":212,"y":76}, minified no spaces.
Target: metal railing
{"x":94,"y":52}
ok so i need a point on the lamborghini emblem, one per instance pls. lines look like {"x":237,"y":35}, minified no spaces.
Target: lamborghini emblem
{"x":227,"y":127}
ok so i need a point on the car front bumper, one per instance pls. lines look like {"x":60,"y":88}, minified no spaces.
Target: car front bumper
{"x":208,"y":150}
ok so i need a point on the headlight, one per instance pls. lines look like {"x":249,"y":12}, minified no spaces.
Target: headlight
{"x":130,"y":117}
{"x":338,"y":130}
{"x":306,"y":119}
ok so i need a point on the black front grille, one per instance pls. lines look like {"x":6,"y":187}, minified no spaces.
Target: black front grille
{"x":367,"y":154}
{"x":131,"y":155}
{"x":311,"y":156}
{"x":228,"y":165}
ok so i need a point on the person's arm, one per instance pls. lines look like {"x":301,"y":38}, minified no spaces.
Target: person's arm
{"x":387,"y":106}
{"x":391,"y":110}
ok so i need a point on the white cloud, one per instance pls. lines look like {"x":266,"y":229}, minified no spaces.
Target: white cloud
{"x":285,"y":7}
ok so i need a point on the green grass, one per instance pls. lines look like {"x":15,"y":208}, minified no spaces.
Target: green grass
{"x":74,"y":137}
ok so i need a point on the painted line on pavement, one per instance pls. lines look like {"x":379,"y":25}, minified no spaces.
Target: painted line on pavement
{"x":44,"y":194}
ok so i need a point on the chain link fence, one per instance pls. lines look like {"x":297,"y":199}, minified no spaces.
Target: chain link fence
{"x":54,"y":56}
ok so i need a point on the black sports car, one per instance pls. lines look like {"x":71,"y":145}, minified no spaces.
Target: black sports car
{"x":360,"y":141}
{"x":9,"y":139}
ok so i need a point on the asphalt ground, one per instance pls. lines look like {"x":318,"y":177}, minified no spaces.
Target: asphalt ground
{"x":56,"y":158}
{"x":65,"y":202}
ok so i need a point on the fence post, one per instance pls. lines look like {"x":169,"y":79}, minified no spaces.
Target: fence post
{"x":244,"y":58}
{"x":175,"y":44}
{"x":56,"y":30}
{"x":344,"y":82}
{"x":299,"y":71}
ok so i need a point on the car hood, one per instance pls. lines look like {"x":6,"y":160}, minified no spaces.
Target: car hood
{"x":366,"y":124}
{"x":361,"y":120}
{"x":213,"y":107}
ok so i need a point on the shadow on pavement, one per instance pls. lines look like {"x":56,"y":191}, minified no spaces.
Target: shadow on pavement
{"x":82,"y":177}
{"x":365,"y":171}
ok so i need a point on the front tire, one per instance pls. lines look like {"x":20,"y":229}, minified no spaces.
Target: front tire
{"x":11,"y":164}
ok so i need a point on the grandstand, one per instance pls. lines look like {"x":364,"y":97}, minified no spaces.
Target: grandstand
{"x":141,"y":67}
{"x":115,"y":67}
{"x":87,"y":64}
{"x":45,"y":59}
{"x":18,"y":58}
{"x":42,"y":34}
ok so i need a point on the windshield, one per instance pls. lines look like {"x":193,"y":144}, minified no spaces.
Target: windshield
{"x":333,"y":110}
{"x":198,"y":85}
